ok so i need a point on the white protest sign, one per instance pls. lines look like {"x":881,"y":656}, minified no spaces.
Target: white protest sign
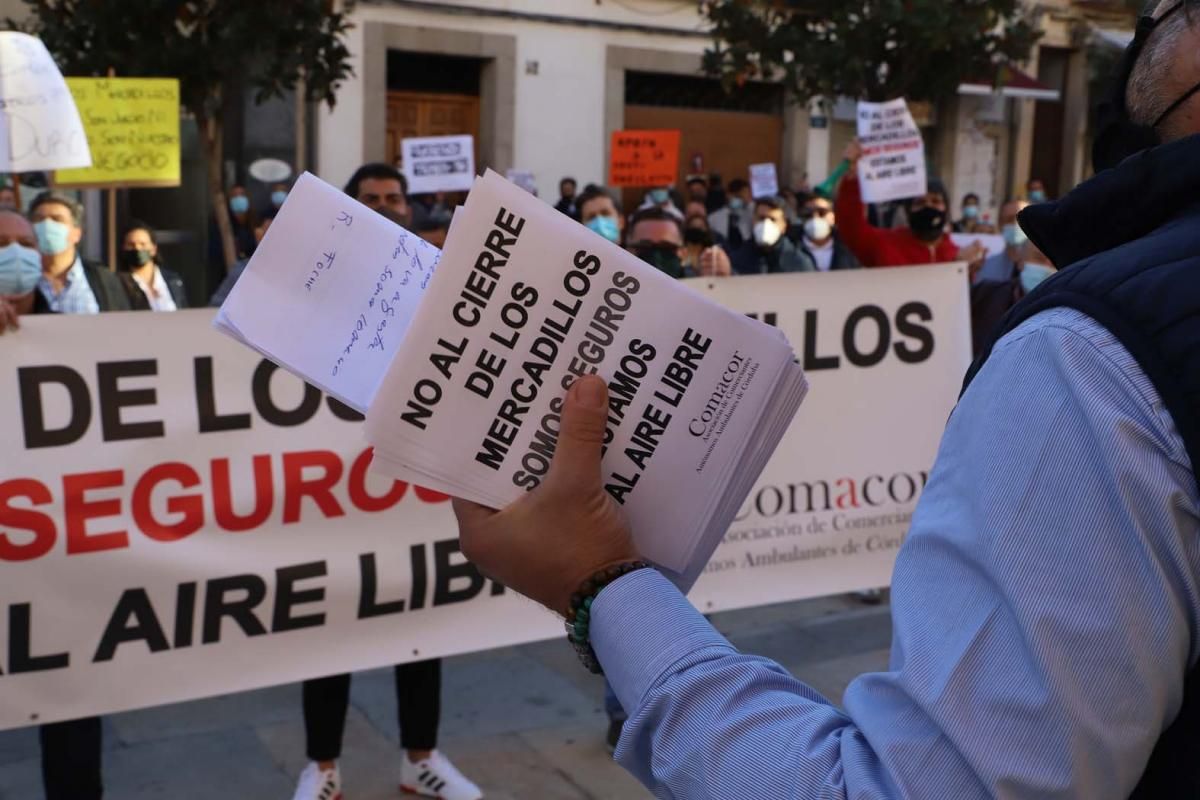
{"x":438,"y":163}
{"x":40,"y":127}
{"x":180,"y":519}
{"x":764,"y":181}
{"x":523,"y":178}
{"x":993,"y":243}
{"x":892,"y":166}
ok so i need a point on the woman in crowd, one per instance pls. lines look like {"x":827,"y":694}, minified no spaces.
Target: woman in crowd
{"x":139,"y":257}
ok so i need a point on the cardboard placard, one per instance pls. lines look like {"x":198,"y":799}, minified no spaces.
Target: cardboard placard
{"x":644,"y":158}
{"x":438,"y":163}
{"x":764,"y":181}
{"x":39,"y":124}
{"x":892,"y":166}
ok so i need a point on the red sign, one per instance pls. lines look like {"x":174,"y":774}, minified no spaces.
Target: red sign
{"x":644,"y":158}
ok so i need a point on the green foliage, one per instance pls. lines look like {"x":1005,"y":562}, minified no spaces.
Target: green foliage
{"x":208,"y":45}
{"x":869,"y":49}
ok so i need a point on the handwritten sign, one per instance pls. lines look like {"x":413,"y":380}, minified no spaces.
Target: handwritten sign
{"x":764,"y":182}
{"x":892,"y":166}
{"x":644,"y":158}
{"x":40,"y":127}
{"x":132,"y":126}
{"x":330,"y":291}
{"x":439,"y":163}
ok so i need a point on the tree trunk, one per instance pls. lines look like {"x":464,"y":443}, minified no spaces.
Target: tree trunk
{"x":301,"y":109}
{"x":210,"y":135}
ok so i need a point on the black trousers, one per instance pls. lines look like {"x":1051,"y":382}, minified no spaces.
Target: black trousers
{"x":71,"y":759}
{"x":418,"y":708}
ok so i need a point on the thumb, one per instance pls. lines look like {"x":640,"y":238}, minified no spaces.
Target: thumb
{"x":581,"y":435}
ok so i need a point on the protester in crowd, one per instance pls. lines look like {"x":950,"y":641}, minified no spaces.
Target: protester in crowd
{"x":600,"y":210}
{"x":1035,"y":191}
{"x":424,"y":770}
{"x":661,"y":198}
{"x":697,"y":190}
{"x":1002,"y":266}
{"x":139,"y":258}
{"x":279,"y":193}
{"x":656,"y":237}
{"x":735,"y":220}
{"x":992,"y":299}
{"x":972,"y":217}
{"x":434,"y":231}
{"x":566,"y":198}
{"x":817,"y":236}
{"x":924,"y":241}
{"x":242,"y":219}
{"x":1045,"y":611}
{"x":791,"y":205}
{"x":769,"y":250}
{"x":69,"y":284}
{"x":704,"y":254}
{"x":716,"y":193}
{"x":65,"y":284}
{"x":228,"y":282}
{"x":20,"y":268}
{"x":8,"y":198}
{"x":695,"y":217}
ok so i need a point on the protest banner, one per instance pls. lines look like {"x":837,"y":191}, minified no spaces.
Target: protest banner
{"x":523,"y":178}
{"x":764,"y":181}
{"x":993,"y":243}
{"x":438,"y":163}
{"x":40,"y":127}
{"x":179,"y":519}
{"x":892,"y":166}
{"x":644,"y":159}
{"x":132,"y":126}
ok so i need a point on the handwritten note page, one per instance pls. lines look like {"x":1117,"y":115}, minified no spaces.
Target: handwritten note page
{"x":40,"y":127}
{"x":330,"y":291}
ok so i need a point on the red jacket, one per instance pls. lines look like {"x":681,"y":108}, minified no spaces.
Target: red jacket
{"x":883,"y":247}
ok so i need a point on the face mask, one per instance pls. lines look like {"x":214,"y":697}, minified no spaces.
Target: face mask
{"x":20,"y":268}
{"x":1033,"y":274}
{"x":1014,"y":236}
{"x":817,"y":229}
{"x":736,"y":204}
{"x":1120,"y":137}
{"x":132,"y":259}
{"x":697,"y":236}
{"x":52,"y":236}
{"x":927,"y":223}
{"x":970,"y":212}
{"x":239,"y":204}
{"x":659,"y":196}
{"x":277,"y":198}
{"x":767,"y":233}
{"x":606,"y":227}
{"x":664,"y":258}
{"x":1037,"y":196}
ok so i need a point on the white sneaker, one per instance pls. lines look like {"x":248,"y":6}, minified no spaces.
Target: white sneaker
{"x":319,"y":784}
{"x":436,"y":777}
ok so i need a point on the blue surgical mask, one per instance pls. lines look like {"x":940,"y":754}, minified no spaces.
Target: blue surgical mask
{"x":277,"y":197}
{"x":1014,"y":236}
{"x":606,"y":227}
{"x":659,"y":196}
{"x":1033,"y":274}
{"x":1037,"y":196}
{"x":239,"y":204}
{"x":20,"y":268}
{"x":53,"y":236}
{"x":970,"y":212}
{"x":736,"y":204}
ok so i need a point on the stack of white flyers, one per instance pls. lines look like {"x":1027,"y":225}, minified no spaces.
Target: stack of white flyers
{"x":523,"y":301}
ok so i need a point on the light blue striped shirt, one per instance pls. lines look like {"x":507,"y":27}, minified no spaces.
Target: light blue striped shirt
{"x":1045,"y":610}
{"x":76,"y":296}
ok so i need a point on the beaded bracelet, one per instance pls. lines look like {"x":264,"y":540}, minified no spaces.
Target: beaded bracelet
{"x":580,"y":611}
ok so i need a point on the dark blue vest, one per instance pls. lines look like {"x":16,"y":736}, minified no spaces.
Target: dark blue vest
{"x":1131,"y":238}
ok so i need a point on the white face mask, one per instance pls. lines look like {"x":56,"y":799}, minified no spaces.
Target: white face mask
{"x":817,"y":229}
{"x":20,"y":268}
{"x":1034,"y":274}
{"x":767,"y":233}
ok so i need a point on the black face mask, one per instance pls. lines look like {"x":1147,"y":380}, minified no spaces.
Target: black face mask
{"x":1119,"y":136}
{"x":663,"y":256}
{"x":927,"y":223}
{"x":697,"y":236}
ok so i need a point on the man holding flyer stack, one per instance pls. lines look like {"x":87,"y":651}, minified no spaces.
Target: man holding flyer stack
{"x":1045,"y":601}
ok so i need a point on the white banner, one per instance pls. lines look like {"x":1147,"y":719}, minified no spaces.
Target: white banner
{"x":764,"y":182}
{"x":438,"y":163}
{"x":179,"y":519}
{"x":892,"y":166}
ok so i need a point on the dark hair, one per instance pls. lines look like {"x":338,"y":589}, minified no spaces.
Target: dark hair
{"x":770,"y":202}
{"x":593,"y":191}
{"x":698,"y":179}
{"x":138,"y":225}
{"x":50,"y":196}
{"x":567,"y":179}
{"x":970,"y":196}
{"x":377,"y":171}
{"x":935,"y":186}
{"x":653,"y":214}
{"x":736,"y":185}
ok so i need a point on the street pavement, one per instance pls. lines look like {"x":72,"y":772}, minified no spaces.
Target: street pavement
{"x":523,"y":722}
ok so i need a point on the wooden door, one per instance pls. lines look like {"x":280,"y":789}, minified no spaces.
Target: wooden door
{"x":412,"y":114}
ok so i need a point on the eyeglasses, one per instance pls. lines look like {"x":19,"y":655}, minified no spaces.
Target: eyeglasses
{"x":645,"y":250}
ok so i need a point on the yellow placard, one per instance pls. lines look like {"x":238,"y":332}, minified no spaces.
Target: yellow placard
{"x":132,"y":127}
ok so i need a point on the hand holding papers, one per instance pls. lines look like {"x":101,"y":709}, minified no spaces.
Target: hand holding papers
{"x":523,"y":302}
